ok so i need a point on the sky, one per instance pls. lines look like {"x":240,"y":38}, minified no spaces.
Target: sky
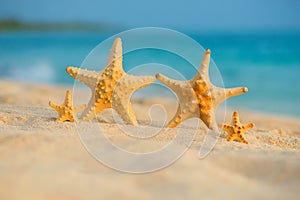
{"x":228,"y":15}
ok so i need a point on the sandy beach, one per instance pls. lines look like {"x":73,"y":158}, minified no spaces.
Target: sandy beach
{"x":44,"y":159}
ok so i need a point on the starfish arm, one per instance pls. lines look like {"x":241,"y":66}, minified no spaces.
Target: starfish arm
{"x":94,"y":107}
{"x":211,"y":122}
{"x":207,"y":116}
{"x":176,"y":120}
{"x":230,"y":138}
{"x":58,"y":108}
{"x":132,"y":83}
{"x":182,"y":115}
{"x":176,"y":86}
{"x":243,"y":139}
{"x":226,"y":127}
{"x":249,"y":126}
{"x":124,"y":109}
{"x":230,"y":92}
{"x":235,"y":118}
{"x":115,"y":55}
{"x":90,"y":113}
{"x":221,"y":94}
{"x":204,"y":67}
{"x":89,"y":78}
{"x":68,"y":99}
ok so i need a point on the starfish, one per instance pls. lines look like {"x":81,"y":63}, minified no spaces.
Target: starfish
{"x":236,"y":130}
{"x":66,"y":111}
{"x":198,"y":97}
{"x":111,"y":87}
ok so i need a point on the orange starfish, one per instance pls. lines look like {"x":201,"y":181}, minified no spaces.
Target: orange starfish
{"x":66,"y":111}
{"x":236,"y":130}
{"x":198,"y":97}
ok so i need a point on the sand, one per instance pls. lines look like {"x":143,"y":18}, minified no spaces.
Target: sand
{"x":43,"y":159}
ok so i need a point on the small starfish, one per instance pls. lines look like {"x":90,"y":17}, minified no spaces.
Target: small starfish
{"x":111,"y":87}
{"x":236,"y":130}
{"x":66,"y":111}
{"x":199,"y":96}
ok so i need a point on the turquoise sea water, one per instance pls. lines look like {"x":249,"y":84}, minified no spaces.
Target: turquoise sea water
{"x":268,"y":64}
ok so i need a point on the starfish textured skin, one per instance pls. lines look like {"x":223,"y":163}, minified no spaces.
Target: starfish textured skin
{"x":111,"y":87}
{"x":236,"y":130}
{"x":66,"y":111}
{"x":198,"y":97}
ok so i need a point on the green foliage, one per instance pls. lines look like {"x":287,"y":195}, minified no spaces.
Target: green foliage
{"x":15,"y":25}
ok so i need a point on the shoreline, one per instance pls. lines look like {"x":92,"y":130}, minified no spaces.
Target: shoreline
{"x":34,"y":86}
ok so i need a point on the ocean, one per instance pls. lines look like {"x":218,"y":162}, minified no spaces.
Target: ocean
{"x":268,"y":64}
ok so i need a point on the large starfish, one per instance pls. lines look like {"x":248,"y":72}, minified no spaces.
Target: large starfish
{"x":198,"y":97}
{"x":66,"y":111}
{"x":236,"y":130}
{"x":111,"y":87}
